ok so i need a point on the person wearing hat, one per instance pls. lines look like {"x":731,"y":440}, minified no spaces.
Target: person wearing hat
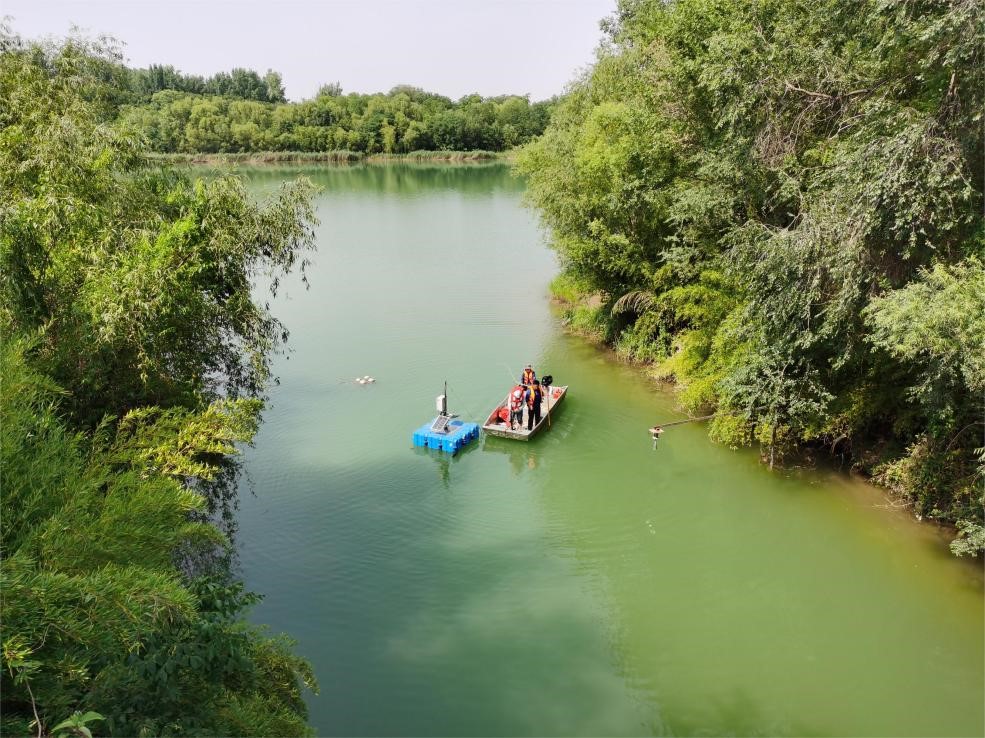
{"x":529,"y":376}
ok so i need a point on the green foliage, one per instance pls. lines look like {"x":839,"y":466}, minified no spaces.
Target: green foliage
{"x":643,"y":341}
{"x":94,"y":612}
{"x":150,"y":273}
{"x":785,"y":201}
{"x":133,"y":365}
{"x":568,"y":290}
{"x":243,"y":112}
{"x":937,"y":324}
{"x":971,"y":542}
{"x":943,"y":481}
{"x":590,"y":321}
{"x":195,"y":675}
{"x":242,"y":84}
{"x":401,"y":121}
{"x":77,"y":724}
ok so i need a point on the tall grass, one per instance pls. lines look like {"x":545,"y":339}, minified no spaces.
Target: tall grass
{"x":567,"y":289}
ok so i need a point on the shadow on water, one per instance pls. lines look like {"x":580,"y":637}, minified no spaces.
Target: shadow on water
{"x":522,"y":455}
{"x":221,"y":496}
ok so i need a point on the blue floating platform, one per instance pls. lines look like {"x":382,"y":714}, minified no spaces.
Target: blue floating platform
{"x":459,"y":434}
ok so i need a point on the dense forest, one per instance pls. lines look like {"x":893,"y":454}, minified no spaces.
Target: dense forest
{"x":778,"y":205}
{"x":133,"y":363}
{"x":403,"y":120}
{"x":240,"y":111}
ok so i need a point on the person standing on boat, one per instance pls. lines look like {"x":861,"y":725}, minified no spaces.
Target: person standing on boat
{"x":516,"y":407}
{"x":533,"y":397}
{"x":529,"y":376}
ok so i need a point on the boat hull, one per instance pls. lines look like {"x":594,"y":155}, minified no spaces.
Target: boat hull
{"x":496,"y":427}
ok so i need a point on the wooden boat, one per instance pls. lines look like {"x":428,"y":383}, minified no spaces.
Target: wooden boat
{"x":496,"y":426}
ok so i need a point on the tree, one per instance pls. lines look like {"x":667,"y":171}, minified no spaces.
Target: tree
{"x":134,"y":361}
{"x":330,"y":89}
{"x":275,"y":87}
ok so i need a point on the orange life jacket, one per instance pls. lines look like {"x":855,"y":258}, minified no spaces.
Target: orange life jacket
{"x":534,"y":395}
{"x":516,"y":398}
{"x":529,"y":376}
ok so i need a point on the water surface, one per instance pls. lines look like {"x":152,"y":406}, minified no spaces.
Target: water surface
{"x":581,"y":584}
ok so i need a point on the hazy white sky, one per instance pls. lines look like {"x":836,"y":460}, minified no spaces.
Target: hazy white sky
{"x":453,"y":47}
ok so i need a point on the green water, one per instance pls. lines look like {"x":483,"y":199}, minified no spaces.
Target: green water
{"x":581,"y":584}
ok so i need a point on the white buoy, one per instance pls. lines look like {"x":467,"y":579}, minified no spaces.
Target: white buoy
{"x":360,"y":380}
{"x":370,"y":380}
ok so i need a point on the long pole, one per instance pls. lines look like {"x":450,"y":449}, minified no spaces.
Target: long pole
{"x":512,"y":375}
{"x":694,"y":420}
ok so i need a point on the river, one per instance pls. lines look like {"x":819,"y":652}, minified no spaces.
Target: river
{"x":581,"y":584}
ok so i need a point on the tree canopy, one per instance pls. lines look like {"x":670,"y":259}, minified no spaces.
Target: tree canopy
{"x":781,"y":206}
{"x":403,"y":120}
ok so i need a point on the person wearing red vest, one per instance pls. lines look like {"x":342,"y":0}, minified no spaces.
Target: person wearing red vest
{"x":516,"y":407}
{"x":533,"y":397}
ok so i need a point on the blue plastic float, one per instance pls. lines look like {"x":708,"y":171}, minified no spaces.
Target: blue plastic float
{"x":444,"y":432}
{"x":457,"y":435}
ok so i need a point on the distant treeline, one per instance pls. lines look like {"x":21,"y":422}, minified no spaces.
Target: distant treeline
{"x":243,"y":84}
{"x":241,"y":111}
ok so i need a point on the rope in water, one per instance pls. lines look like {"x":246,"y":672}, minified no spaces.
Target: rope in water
{"x":471,"y":416}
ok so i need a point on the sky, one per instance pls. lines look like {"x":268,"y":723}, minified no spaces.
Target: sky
{"x":453,"y":47}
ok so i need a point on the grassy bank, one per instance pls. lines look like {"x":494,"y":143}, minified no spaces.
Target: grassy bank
{"x":334,"y":157}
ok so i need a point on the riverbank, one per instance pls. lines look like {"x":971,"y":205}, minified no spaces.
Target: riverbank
{"x":586,"y":315}
{"x":335,"y":157}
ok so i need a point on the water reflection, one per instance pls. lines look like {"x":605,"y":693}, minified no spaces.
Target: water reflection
{"x":444,"y":461}
{"x":523,"y":455}
{"x":401,"y":180}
